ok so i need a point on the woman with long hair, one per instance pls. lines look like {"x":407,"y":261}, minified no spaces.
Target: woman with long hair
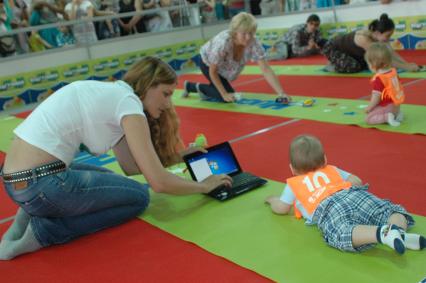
{"x":60,"y":200}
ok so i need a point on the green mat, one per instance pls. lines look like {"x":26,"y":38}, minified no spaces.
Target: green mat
{"x":245,"y":231}
{"x":316,"y":70}
{"x":7,"y":125}
{"x":333,"y":110}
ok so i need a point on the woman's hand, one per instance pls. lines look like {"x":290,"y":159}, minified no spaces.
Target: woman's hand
{"x":228,"y":97}
{"x":214,"y":181}
{"x":283,"y":98}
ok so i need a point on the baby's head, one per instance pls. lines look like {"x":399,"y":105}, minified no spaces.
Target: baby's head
{"x":378,"y":56}
{"x":306,"y":154}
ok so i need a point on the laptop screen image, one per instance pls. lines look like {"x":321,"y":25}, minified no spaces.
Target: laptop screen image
{"x":218,"y":160}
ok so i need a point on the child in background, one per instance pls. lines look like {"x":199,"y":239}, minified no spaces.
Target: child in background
{"x":349,"y":217}
{"x":65,"y":37}
{"x":387,"y":95}
{"x":37,"y":43}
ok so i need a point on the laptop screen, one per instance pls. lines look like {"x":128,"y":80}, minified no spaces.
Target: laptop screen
{"x":219,"y":159}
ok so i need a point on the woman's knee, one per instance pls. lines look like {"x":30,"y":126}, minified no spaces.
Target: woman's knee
{"x":143,"y":199}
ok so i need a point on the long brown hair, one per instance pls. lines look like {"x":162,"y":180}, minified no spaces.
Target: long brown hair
{"x":147,"y":73}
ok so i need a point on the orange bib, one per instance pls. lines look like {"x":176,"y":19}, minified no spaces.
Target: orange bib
{"x":393,"y":88}
{"x":310,"y":189}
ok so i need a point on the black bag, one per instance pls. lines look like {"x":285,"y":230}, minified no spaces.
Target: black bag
{"x":7,"y":46}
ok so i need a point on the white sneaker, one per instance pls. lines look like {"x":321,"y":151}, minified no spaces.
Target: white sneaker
{"x":391,"y":120}
{"x":399,"y":117}
{"x":185,"y":92}
{"x":330,"y":68}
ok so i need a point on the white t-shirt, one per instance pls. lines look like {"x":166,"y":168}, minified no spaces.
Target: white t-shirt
{"x":87,"y":112}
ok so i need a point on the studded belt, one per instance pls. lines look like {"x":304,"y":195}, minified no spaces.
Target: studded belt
{"x":41,"y":171}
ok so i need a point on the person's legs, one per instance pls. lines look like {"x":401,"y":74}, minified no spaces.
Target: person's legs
{"x":267,"y":8}
{"x":412,"y":241}
{"x":346,"y":221}
{"x":17,"y":229}
{"x":208,"y":91}
{"x":219,"y":9}
{"x":380,"y":115}
{"x":386,"y":234}
{"x":75,"y":203}
{"x":25,"y":244}
{"x":342,"y":62}
{"x":381,"y":213}
{"x":334,"y":219}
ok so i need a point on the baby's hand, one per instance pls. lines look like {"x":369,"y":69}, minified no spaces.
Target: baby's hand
{"x":271,"y":199}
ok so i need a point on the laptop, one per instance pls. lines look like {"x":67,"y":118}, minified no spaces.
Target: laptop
{"x":220,"y":159}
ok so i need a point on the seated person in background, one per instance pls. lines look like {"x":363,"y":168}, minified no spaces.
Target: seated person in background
{"x":7,"y":43}
{"x":108,"y":28}
{"x":37,"y":43}
{"x":349,"y":217}
{"x":135,"y":24}
{"x":47,"y":12}
{"x":303,"y":39}
{"x":84,"y":33}
{"x":66,"y":36}
{"x":387,"y":94}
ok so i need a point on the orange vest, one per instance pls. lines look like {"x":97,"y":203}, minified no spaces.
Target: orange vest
{"x":393,"y":88}
{"x":310,"y":189}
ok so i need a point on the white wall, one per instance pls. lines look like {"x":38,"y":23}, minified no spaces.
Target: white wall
{"x":394,"y":10}
{"x":53,"y":58}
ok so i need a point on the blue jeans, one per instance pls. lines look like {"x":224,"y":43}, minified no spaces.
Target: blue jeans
{"x":79,"y":201}
{"x":210,"y":90}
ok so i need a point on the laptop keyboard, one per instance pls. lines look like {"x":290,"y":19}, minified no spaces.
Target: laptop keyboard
{"x":241,"y":182}
{"x":242,"y":179}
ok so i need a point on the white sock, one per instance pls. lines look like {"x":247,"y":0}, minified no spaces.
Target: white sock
{"x":413,"y":241}
{"x":330,"y":68}
{"x":400,"y":116}
{"x":391,"y":120}
{"x":391,"y":236}
{"x":26,"y":244}
{"x":17,"y":229}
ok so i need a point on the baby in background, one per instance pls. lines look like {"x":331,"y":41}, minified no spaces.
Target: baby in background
{"x":387,"y":94}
